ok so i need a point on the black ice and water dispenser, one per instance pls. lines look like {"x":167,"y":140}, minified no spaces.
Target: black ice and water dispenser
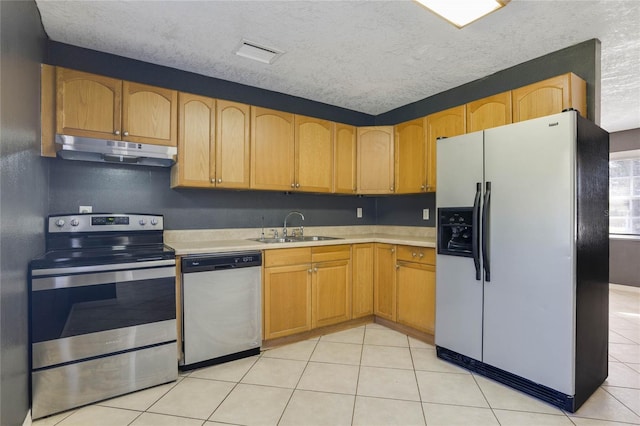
{"x":455,"y":231}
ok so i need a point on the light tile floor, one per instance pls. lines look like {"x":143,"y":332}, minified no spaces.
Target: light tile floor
{"x":370,"y":375}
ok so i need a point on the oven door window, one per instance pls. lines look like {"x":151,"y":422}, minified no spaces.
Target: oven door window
{"x":79,"y":304}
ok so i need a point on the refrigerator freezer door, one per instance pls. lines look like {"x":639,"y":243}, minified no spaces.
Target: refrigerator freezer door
{"x":529,"y":304}
{"x":458,"y":293}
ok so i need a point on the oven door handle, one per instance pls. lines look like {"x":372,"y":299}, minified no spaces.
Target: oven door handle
{"x":109,"y":277}
{"x":101,"y":268}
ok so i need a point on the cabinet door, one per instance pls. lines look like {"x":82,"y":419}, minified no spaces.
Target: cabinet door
{"x":331,"y":287}
{"x":447,"y":123}
{"x":385,"y":281}
{"x":287,"y":300}
{"x":196,"y":141}
{"x":550,"y":96}
{"x":345,"y":159}
{"x":362,"y":280}
{"x":489,"y":112}
{"x":314,"y":154}
{"x":375,"y":160}
{"x":272,"y":149}
{"x":149,"y":114}
{"x":232,"y":145}
{"x":88,"y":105}
{"x":417,"y":296}
{"x":410,"y":157}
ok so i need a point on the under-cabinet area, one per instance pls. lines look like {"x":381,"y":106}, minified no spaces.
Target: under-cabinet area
{"x":223,"y":144}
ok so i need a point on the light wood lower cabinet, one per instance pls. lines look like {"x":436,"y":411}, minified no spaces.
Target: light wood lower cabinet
{"x":362,"y":280}
{"x":306,"y":288}
{"x":331,"y":285}
{"x":384,"y":285}
{"x":287,"y":292}
{"x":416,"y":282}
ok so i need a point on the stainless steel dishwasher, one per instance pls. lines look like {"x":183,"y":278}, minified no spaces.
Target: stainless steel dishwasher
{"x":221,"y":308}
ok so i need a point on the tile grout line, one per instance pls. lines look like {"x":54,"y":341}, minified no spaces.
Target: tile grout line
{"x":355,"y":395}
{"x":475,"y":380}
{"x":415,"y":376}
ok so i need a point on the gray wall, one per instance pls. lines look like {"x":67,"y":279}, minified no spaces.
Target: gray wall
{"x":23,"y":194}
{"x":624,"y":254}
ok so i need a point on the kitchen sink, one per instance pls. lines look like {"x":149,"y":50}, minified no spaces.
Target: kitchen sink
{"x":293,"y":239}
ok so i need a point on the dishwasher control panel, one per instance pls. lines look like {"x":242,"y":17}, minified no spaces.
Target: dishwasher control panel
{"x":214,"y":262}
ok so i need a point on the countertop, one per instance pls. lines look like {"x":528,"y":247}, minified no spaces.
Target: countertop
{"x":187,"y":242}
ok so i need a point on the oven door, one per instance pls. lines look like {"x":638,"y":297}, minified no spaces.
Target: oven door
{"x":80,"y":313}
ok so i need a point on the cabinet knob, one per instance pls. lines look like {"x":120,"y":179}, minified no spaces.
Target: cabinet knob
{"x":391,"y":189}
{"x":315,"y":269}
{"x":423,"y":187}
{"x":293,"y":185}
{"x":393,"y":250}
{"x":413,"y":254}
{"x":213,"y":180}
{"x":219,"y":180}
{"x":309,"y":270}
{"x":297,"y":185}
{"x":397,"y":266}
{"x":117,"y":132}
{"x":126,"y":133}
{"x":421,"y":255}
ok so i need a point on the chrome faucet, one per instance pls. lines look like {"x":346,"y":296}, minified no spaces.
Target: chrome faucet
{"x":284,"y":231}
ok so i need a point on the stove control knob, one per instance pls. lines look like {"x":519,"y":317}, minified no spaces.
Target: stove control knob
{"x":142,"y":222}
{"x":154,"y":221}
{"x":60,"y":223}
{"x":75,"y":222}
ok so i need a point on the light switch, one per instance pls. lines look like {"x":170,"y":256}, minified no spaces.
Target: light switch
{"x":425,"y":214}
{"x":359,"y":212}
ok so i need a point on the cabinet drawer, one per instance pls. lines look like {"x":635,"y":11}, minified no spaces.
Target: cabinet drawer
{"x":290,"y":256}
{"x":329,"y":253}
{"x":422,"y":255}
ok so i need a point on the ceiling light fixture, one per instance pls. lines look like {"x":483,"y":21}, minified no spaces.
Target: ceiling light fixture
{"x":257,"y":52}
{"x":462,"y":12}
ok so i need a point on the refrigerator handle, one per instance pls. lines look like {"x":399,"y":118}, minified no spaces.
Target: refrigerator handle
{"x":475,"y":241}
{"x":485,"y":232}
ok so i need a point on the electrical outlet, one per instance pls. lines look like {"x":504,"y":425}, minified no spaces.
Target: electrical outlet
{"x":359,"y":212}
{"x":86,"y":209}
{"x":425,"y":214}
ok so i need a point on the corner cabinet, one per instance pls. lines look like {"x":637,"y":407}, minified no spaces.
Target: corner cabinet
{"x":410,"y":157}
{"x":550,"y":96}
{"x":375,"y":160}
{"x":362,"y":279}
{"x":314,"y":139}
{"x":94,"y":106}
{"x":447,"y":123}
{"x":344,"y":159}
{"x":489,"y":112}
{"x":272,"y":149}
{"x":384,"y":284}
{"x":416,"y":282}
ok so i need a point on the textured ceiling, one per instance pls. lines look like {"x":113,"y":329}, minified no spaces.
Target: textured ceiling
{"x":368,"y":56}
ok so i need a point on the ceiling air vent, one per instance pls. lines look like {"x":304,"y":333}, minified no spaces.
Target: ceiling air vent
{"x":255,"y":51}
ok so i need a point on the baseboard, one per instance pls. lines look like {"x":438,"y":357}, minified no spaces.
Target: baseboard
{"x":27,"y":420}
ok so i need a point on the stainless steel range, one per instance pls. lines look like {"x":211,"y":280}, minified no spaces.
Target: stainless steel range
{"x":102,"y":310}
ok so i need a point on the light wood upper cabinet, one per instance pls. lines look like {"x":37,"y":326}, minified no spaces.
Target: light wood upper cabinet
{"x":447,"y":123}
{"x":362,"y":266}
{"x":88,"y":105}
{"x":550,"y":96}
{"x":149,"y":114}
{"x":331,"y":285}
{"x":416,"y":283}
{"x":375,"y":160}
{"x":314,"y":148}
{"x":345,"y":159}
{"x":233,"y":151}
{"x":196,"y":142}
{"x":94,"y":106}
{"x":489,"y":112}
{"x":272,"y":149}
{"x":384,"y":292}
{"x":410,"y":157}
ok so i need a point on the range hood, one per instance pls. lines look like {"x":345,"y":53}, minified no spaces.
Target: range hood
{"x":108,"y":151}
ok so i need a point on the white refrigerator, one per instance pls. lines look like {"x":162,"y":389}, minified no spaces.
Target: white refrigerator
{"x":522,"y":263}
